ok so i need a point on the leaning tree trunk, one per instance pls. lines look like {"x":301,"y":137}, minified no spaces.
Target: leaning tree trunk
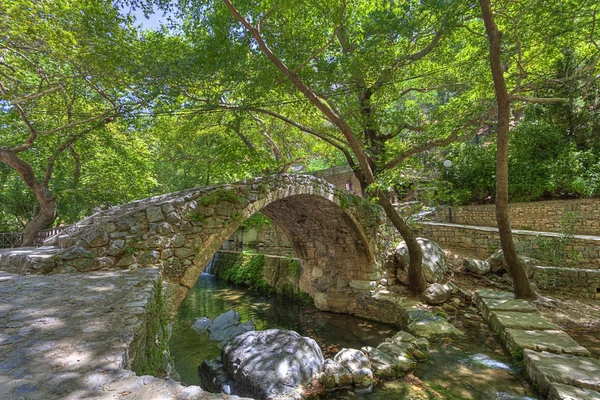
{"x":416,"y":278}
{"x":47,"y":204}
{"x":522,"y":287}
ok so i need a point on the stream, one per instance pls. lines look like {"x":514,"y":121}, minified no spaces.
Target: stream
{"x":472,"y":368}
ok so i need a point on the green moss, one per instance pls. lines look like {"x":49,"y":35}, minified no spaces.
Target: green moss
{"x":196,"y":216}
{"x":286,"y":289}
{"x":129,"y":250}
{"x":303,"y":298}
{"x":219,"y":195}
{"x":151,"y":361}
{"x":294,"y":267}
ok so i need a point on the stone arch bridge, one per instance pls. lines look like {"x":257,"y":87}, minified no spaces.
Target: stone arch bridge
{"x":335,"y":235}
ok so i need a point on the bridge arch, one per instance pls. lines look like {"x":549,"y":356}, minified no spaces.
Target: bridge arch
{"x":333,"y":233}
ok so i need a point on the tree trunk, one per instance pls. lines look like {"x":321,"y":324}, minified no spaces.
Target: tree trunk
{"x":47,"y":204}
{"x":522,"y":287}
{"x":415,"y":271}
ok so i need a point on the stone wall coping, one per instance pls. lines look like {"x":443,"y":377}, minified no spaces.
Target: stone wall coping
{"x":514,"y":231}
{"x":258,"y":254}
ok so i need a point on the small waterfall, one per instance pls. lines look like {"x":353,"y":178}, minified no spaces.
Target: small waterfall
{"x":210,"y":266}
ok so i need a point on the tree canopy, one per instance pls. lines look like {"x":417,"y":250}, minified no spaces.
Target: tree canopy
{"x":98,"y":111}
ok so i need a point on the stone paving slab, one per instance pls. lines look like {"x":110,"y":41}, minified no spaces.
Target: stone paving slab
{"x":488,"y":305}
{"x":566,"y":392}
{"x":493,"y":294}
{"x":544,"y":369}
{"x":501,"y":320}
{"x":423,"y":323}
{"x":72,"y":336}
{"x":550,"y":341}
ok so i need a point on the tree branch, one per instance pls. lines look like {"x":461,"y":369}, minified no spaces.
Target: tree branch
{"x":538,"y":100}
{"x":307,"y":91}
{"x":270,"y":142}
{"x":398,"y":130}
{"x":318,"y":51}
{"x":385,"y":76}
{"x":36,"y":95}
{"x":452,"y":137}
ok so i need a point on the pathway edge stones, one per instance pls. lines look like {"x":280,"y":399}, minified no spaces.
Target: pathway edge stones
{"x":563,"y":370}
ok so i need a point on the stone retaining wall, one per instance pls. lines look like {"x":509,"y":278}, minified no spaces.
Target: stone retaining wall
{"x":581,"y":280}
{"x":483,"y":241}
{"x":538,"y":215}
{"x":266,"y":238}
{"x":573,"y":282}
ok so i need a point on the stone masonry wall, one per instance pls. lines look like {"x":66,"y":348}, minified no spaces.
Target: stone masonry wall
{"x":544,"y":216}
{"x":340,"y":177}
{"x":581,"y":279}
{"x":338,"y":236}
{"x":482,"y":242}
{"x":265,"y":239}
{"x":281,"y":273}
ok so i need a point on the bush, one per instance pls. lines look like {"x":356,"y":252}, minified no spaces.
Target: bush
{"x":543,"y":164}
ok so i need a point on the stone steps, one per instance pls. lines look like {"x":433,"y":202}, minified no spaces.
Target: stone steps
{"x":558,"y":366}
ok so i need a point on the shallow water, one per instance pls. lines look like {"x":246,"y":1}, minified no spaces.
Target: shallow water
{"x":474,"y":368}
{"x":211,"y":297}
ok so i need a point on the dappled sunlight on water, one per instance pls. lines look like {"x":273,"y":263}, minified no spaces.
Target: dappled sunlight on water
{"x":211,"y":297}
{"x":473,"y":368}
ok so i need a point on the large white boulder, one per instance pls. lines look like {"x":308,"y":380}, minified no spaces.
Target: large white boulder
{"x":434,"y":261}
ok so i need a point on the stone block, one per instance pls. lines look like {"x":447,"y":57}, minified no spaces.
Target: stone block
{"x":516,"y":305}
{"x":545,"y":369}
{"x":167,"y":208}
{"x":362,"y":285}
{"x":154,"y":214}
{"x":184,"y":252}
{"x":433,"y":328}
{"x":125,"y":223}
{"x":178,"y":240}
{"x":566,"y":392}
{"x":501,"y":320}
{"x":96,"y":238}
{"x":550,"y":341}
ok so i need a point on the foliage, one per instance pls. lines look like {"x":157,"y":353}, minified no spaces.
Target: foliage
{"x":247,"y":271}
{"x":219,"y":195}
{"x":257,"y":221}
{"x":200,"y":104}
{"x":67,"y":72}
{"x":517,"y":357}
{"x":543,"y":164}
